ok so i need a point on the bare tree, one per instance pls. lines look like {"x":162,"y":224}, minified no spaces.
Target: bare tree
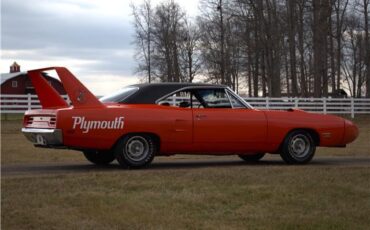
{"x":190,"y":51}
{"x":291,"y":12}
{"x":321,"y":13}
{"x":213,"y":40}
{"x":366,"y":4}
{"x":355,"y":49}
{"x":340,"y":8}
{"x":143,"y":15}
{"x":301,"y":45}
{"x":168,"y":26}
{"x":270,"y":47}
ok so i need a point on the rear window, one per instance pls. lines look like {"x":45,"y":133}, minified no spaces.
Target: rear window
{"x":120,"y":95}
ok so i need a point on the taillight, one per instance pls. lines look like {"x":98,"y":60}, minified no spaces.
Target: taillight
{"x":53,"y":121}
{"x":40,"y":121}
{"x":28,"y":120}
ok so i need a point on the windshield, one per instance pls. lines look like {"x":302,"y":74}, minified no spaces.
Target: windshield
{"x":235,"y":96}
{"x":120,"y":95}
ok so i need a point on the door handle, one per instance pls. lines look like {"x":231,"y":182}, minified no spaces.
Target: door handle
{"x":200,"y":116}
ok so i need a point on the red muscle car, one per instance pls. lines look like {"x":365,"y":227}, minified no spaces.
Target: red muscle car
{"x":142,"y":121}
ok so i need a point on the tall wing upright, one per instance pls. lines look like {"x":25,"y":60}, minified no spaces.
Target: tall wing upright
{"x":79,"y":95}
{"x":48,"y":96}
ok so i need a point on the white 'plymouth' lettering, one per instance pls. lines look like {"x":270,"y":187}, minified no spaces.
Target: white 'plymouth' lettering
{"x":86,"y":125}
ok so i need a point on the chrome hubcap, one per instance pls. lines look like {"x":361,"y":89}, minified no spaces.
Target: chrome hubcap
{"x":137,"y":148}
{"x":299,"y":146}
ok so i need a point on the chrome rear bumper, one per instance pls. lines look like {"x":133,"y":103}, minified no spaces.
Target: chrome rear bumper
{"x":44,"y":137}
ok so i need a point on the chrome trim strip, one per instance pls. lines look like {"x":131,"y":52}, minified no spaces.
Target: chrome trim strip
{"x":34,"y":130}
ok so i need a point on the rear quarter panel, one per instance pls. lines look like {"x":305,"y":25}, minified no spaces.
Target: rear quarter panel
{"x":137,"y":119}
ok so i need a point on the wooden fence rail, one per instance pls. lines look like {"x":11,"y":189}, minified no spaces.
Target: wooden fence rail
{"x":352,"y":106}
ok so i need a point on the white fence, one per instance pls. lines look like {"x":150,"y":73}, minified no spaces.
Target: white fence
{"x":352,"y":106}
{"x":11,"y":103}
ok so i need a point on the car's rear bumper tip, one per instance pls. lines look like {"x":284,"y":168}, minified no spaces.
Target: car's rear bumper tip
{"x":44,"y":137}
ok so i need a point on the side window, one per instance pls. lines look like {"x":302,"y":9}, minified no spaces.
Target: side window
{"x":235,"y":101}
{"x":195,"y":102}
{"x":14,"y":84}
{"x":179,"y":99}
{"x":214,"y":98}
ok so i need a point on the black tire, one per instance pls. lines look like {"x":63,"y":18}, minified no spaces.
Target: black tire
{"x":298,"y":147}
{"x":252,"y":158}
{"x":135,"y":150}
{"x":99,"y":157}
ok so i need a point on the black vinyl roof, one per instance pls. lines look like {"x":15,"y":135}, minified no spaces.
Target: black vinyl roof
{"x":150,"y":93}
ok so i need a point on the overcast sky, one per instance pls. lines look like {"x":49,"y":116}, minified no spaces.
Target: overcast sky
{"x":92,"y":38}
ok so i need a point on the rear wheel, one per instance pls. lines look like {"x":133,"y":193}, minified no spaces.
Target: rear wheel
{"x":135,"y":151}
{"x":298,"y":147}
{"x":99,"y":157}
{"x":252,"y":158}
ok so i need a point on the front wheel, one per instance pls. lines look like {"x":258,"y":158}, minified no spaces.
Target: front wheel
{"x":298,"y":147}
{"x":135,"y":151}
{"x":252,"y":158}
{"x":99,"y":157}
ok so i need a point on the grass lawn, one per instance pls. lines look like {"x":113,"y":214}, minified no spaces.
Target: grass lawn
{"x":15,"y":148}
{"x":243,"y":197}
{"x":238,"y":196}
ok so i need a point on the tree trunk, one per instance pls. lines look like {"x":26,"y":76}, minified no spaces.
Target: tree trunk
{"x":263,"y":73}
{"x":339,"y":26}
{"x":288,"y":92}
{"x":354,"y":71}
{"x":292,"y":45}
{"x":149,"y":40}
{"x":222,"y":41}
{"x":256,"y":63}
{"x":301,"y":50}
{"x":332,"y":58}
{"x":320,"y":28}
{"x":367,"y":42}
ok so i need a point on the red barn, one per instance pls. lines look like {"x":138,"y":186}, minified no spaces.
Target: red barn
{"x":17,"y":82}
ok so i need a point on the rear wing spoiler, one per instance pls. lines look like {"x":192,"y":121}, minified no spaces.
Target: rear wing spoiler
{"x":49,"y":98}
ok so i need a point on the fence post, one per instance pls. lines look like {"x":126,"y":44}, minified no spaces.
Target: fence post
{"x":324,"y":104}
{"x":29,"y":102}
{"x":352,"y":108}
{"x":173,"y":101}
{"x":296,"y":102}
{"x":267,"y":103}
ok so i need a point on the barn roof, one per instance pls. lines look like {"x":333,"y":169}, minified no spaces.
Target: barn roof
{"x":7,"y":76}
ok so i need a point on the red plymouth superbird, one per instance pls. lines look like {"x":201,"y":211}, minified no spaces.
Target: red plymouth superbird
{"x":142,"y":121}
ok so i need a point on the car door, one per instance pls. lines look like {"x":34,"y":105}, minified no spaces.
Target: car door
{"x":225,"y":124}
{"x":177,"y":117}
